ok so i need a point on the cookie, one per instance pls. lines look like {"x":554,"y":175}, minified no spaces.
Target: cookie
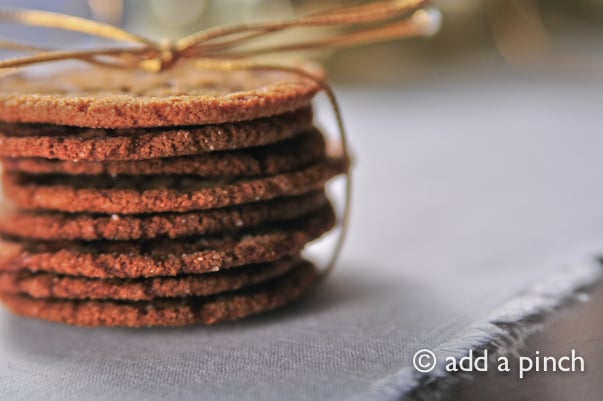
{"x":69,"y":143}
{"x":272,"y":159}
{"x":169,"y":311}
{"x":183,"y":95}
{"x":83,"y":226}
{"x":136,"y":195}
{"x":166,"y":257}
{"x":49,"y":285}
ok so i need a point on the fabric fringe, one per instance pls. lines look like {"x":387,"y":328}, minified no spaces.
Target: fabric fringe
{"x":502,"y":333}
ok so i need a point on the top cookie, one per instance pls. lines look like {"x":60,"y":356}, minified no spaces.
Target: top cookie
{"x":100,"y":97}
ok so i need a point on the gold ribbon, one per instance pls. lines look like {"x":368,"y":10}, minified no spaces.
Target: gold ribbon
{"x":227,"y":48}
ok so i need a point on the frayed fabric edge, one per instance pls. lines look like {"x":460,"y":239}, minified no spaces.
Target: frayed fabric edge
{"x":502,"y":333}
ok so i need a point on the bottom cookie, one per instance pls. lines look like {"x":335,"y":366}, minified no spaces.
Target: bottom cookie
{"x":170,"y":311}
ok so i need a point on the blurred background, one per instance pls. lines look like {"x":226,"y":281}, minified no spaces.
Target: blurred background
{"x":477,"y":37}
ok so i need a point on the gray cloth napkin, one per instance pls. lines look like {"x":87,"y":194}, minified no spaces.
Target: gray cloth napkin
{"x":475,"y":204}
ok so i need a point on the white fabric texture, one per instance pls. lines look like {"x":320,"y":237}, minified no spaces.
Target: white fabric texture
{"x":475,"y":203}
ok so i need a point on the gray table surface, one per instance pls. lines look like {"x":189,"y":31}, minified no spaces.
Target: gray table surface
{"x":475,"y":203}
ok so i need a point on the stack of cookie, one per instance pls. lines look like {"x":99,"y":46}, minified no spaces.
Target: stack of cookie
{"x":142,"y":199}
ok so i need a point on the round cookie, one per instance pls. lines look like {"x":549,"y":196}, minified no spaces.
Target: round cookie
{"x":280,"y":157}
{"x":85,"y":144}
{"x":170,"y":311}
{"x":137,"y":195}
{"x":166,"y":257}
{"x":183,"y":95}
{"x":49,"y":285}
{"x":42,"y":225}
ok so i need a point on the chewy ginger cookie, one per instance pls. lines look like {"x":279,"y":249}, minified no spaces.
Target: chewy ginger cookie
{"x":49,"y":285}
{"x":43,"y":225}
{"x":183,"y":95}
{"x":86,"y":144}
{"x":156,"y":194}
{"x":166,"y":257}
{"x":169,"y":311}
{"x":280,"y":157}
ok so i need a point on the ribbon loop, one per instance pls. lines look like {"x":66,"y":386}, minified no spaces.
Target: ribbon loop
{"x":353,"y":25}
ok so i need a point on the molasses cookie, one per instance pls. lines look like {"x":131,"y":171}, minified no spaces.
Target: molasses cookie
{"x":186,"y":94}
{"x":49,"y":285}
{"x":41,"y":225}
{"x":169,"y":311}
{"x":156,"y":194}
{"x":94,"y":144}
{"x":271,"y":159}
{"x":166,"y":257}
